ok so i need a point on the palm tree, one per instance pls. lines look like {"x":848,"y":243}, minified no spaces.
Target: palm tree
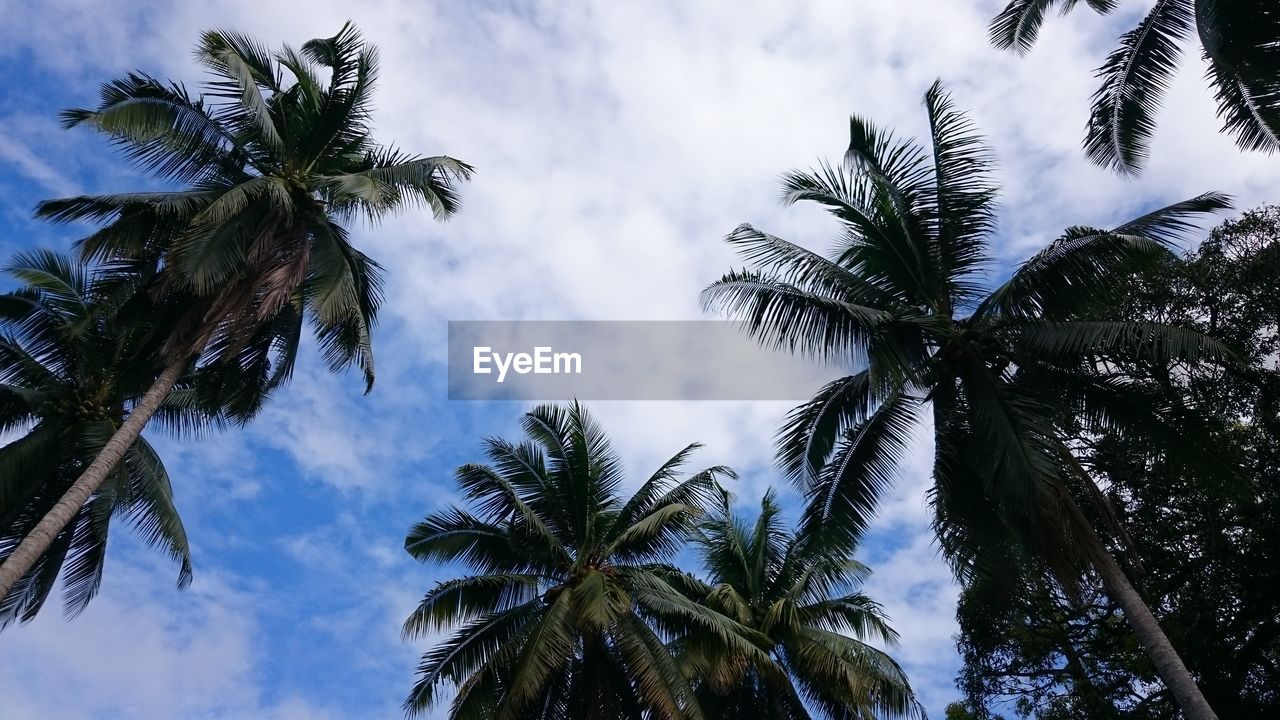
{"x":569,"y":598}
{"x":256,"y":241}
{"x":902,"y":295}
{"x":804,"y":598}
{"x":69,"y":373}
{"x":1240,"y":40}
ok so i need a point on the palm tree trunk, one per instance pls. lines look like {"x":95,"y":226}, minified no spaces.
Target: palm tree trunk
{"x":1168,"y":664}
{"x":1172,"y":671}
{"x":42,"y":535}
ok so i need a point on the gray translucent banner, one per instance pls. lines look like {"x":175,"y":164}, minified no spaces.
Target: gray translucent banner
{"x":626,"y":360}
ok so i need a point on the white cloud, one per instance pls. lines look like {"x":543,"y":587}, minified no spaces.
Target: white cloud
{"x":31,"y":165}
{"x":143,"y":651}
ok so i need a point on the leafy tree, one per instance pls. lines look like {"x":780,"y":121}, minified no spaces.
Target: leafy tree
{"x":570,"y":595}
{"x":902,"y":294}
{"x":274,"y":159}
{"x":1207,"y":537}
{"x":1025,"y":642}
{"x":69,"y":374}
{"x":1240,"y":41}
{"x":803,"y":597}
{"x":961,"y":711}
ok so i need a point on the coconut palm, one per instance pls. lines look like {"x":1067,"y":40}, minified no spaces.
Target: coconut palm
{"x":70,"y":371}
{"x":274,"y":159}
{"x":569,"y":599}
{"x":902,"y":295}
{"x":1240,"y":41}
{"x":804,"y":597}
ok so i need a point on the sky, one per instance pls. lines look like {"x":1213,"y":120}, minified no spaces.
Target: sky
{"x":616,"y":143}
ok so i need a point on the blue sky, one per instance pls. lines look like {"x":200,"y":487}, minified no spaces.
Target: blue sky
{"x":616,"y":144}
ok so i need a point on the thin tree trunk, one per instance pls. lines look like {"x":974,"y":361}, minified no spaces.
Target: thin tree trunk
{"x":1172,"y":671}
{"x":1168,"y":664}
{"x":42,"y":535}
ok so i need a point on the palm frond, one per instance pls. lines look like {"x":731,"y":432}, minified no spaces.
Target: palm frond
{"x":151,"y":507}
{"x":464,"y":599}
{"x":885,"y":241}
{"x":344,"y":292}
{"x":844,"y":497}
{"x":497,"y":499}
{"x":785,"y":317}
{"x":545,"y":649}
{"x":1173,"y":223}
{"x":454,"y":534}
{"x":1018,"y":25}
{"x":1104,"y":339}
{"x":854,"y":614}
{"x":395,"y":180}
{"x":656,"y":536}
{"x":810,"y":432}
{"x":797,"y":266}
{"x":657,"y":676}
{"x":962,"y":200}
{"x":474,"y":645}
{"x":1241,"y":43}
{"x":245,"y":68}
{"x":839,"y":672}
{"x":1135,"y":77}
{"x":164,"y":131}
{"x":86,"y":555}
{"x":1071,"y":273}
{"x":60,"y":283}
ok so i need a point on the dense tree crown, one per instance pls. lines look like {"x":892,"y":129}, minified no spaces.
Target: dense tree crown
{"x":570,"y":591}
{"x":573,"y":608}
{"x":1207,"y":537}
{"x":275,"y":157}
{"x":1105,"y":419}
{"x":803,"y":596}
{"x":901,"y":294}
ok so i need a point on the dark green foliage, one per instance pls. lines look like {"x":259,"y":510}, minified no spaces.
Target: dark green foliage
{"x":804,"y":598}
{"x":274,"y":155}
{"x":570,"y":598}
{"x":1199,"y":495}
{"x":902,"y":294}
{"x":71,"y":367}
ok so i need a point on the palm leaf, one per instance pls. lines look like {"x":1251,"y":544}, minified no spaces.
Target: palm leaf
{"x":151,"y":508}
{"x":1135,"y":77}
{"x":785,"y":317}
{"x":1240,"y":41}
{"x":464,"y":599}
{"x":164,"y":131}
{"x":840,"y":504}
{"x":962,"y":199}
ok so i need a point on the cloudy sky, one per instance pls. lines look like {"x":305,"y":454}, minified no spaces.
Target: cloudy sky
{"x":616,"y":144}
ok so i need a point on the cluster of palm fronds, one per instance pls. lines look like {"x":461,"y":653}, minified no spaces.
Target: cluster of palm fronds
{"x":189,"y":305}
{"x":1240,"y":43}
{"x":575,"y":609}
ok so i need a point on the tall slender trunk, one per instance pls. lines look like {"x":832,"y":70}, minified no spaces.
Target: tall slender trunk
{"x":64,"y":511}
{"x":1172,"y":671}
{"x":1168,"y":664}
